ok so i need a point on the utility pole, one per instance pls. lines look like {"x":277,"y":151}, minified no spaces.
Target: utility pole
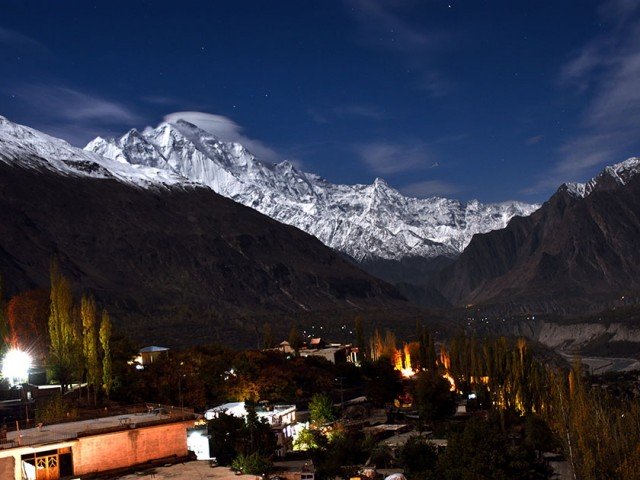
{"x":180,"y":401}
{"x":341,"y":380}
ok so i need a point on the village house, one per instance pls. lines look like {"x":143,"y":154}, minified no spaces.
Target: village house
{"x":98,"y":445}
{"x":148,"y":355}
{"x":333,"y":352}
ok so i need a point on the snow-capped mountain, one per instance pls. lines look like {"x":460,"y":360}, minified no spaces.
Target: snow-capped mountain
{"x":365,"y":221}
{"x":29,"y":148}
{"x":617,"y":174}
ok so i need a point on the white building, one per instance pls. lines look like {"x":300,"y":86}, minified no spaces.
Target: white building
{"x":275,"y":415}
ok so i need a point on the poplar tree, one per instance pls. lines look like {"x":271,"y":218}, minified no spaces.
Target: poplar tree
{"x":360,"y":337}
{"x":4,"y":322}
{"x":375,"y":345}
{"x":90,"y":345}
{"x":268,"y":340}
{"x":105,"y":340}
{"x":295,"y":340}
{"x":63,"y":330}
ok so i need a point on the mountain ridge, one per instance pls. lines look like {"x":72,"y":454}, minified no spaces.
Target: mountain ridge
{"x":576,"y":253}
{"x":366,"y":222}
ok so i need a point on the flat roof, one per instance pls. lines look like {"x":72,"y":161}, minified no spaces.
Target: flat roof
{"x":401,"y":439}
{"x":385,"y":427}
{"x":69,"y":430}
{"x":153,"y":348}
{"x":187,"y":471}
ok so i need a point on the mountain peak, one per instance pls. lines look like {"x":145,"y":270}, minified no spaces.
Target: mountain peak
{"x":380,"y":182}
{"x":611,"y":175}
{"x":32,"y":149}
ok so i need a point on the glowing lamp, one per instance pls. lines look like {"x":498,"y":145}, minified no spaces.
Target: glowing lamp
{"x":16,"y":365}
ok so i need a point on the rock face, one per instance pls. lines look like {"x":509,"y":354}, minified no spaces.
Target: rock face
{"x":172,"y":260}
{"x":579,"y":251}
{"x":374,"y":224}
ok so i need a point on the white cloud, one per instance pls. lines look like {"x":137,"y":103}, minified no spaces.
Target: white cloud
{"x":534,"y":140}
{"x":387,"y":158}
{"x":429,"y":188}
{"x":20,"y":42}
{"x":226,"y":130}
{"x":72,"y":105}
{"x":71,"y":114}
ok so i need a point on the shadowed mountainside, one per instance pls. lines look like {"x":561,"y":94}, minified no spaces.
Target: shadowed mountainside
{"x":575,"y":254}
{"x":175,"y":265}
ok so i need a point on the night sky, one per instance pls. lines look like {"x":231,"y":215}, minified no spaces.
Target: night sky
{"x":492,"y":100}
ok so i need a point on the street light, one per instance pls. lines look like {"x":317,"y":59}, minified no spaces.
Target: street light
{"x":16,"y":365}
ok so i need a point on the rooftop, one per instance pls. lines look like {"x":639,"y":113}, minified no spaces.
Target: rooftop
{"x":153,"y":348}
{"x":70,"y":430}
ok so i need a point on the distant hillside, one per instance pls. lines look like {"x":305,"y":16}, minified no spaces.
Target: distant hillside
{"x":578,"y":252}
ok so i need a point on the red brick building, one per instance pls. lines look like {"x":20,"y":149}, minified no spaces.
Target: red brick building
{"x":96,"y":445}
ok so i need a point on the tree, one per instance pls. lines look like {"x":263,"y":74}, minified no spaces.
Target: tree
{"x":383,"y":382}
{"x":64,"y":331}
{"x":5,"y":341}
{"x":482,"y":451}
{"x":105,"y":342}
{"x":360,"y":338}
{"x":28,"y":314}
{"x":427,"y":351}
{"x":268,"y":340}
{"x":434,"y":398}
{"x":295,"y":340}
{"x":252,"y":464}
{"x":307,"y":439}
{"x":224,"y":432}
{"x":321,"y":409}
{"x":256,"y":435}
{"x":418,"y":456}
{"x":90,"y":345}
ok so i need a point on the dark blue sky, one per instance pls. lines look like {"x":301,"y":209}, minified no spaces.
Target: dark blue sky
{"x":493,"y":100}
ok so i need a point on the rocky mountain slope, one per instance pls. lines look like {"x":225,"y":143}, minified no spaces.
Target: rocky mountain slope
{"x":374,"y":224}
{"x":172,"y":260}
{"x":578,"y":252}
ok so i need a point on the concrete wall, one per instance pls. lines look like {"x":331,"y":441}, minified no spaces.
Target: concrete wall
{"x":129,"y":447}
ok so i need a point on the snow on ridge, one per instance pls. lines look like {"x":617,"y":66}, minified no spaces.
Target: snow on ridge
{"x":30,"y":148}
{"x":620,"y":173}
{"x":364,"y":221}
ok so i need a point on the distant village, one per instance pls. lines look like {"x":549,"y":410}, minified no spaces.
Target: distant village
{"x":405,"y":428}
